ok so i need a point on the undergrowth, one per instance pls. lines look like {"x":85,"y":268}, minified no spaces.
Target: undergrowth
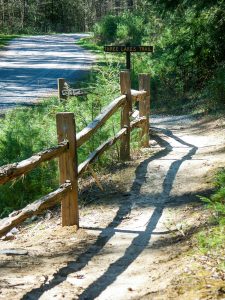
{"x":5,"y":39}
{"x":89,"y":44}
{"x":24,"y":132}
{"x":211,"y":241}
{"x":187,"y":65}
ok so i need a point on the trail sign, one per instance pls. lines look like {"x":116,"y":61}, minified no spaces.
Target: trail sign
{"x":128,"y":49}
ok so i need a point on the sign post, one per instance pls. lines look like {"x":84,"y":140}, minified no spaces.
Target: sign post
{"x":128,"y":49}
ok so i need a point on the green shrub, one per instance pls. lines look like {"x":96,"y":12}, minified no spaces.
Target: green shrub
{"x":23,"y":133}
{"x":122,"y":29}
{"x":5,"y":39}
{"x":211,"y":240}
{"x":217,"y":201}
{"x":214,"y":92}
{"x":130,"y":29}
{"x":27,"y":131}
{"x":187,"y":66}
{"x":106,"y":29}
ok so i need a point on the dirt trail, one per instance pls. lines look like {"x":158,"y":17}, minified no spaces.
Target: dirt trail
{"x":134,"y":238}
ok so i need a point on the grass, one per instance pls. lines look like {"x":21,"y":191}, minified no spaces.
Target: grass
{"x":5,"y":39}
{"x":26,"y":131}
{"x":211,"y":241}
{"x":89,"y":44}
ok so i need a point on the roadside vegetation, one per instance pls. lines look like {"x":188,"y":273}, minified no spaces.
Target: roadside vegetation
{"x":5,"y":39}
{"x":187,"y":66}
{"x":25,"y":131}
{"x":211,"y":241}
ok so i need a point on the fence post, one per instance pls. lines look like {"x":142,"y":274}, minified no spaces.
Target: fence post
{"x":61,"y":87}
{"x":144,"y":107}
{"x":66,"y":130}
{"x":125,"y":87}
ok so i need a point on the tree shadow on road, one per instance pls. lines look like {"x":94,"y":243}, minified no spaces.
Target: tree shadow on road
{"x":141,"y":241}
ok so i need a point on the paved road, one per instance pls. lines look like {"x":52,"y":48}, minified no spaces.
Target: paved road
{"x":30,"y":66}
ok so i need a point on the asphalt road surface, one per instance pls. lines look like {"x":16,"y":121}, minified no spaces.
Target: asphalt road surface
{"x":30,"y":66}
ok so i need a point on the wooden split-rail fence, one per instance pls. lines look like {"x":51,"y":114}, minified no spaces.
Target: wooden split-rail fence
{"x":66,"y":151}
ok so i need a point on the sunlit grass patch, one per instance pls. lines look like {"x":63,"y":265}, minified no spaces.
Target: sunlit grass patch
{"x":5,"y":39}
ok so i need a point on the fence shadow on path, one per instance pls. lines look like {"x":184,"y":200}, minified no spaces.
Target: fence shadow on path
{"x":141,"y":241}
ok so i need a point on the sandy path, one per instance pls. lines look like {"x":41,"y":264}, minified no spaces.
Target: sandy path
{"x":30,"y":66}
{"x":127,"y":247}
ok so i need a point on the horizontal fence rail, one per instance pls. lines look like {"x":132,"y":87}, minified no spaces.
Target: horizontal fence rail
{"x":15,"y":170}
{"x":100,"y":120}
{"x":66,"y":151}
{"x":100,"y":150}
{"x":35,"y":208}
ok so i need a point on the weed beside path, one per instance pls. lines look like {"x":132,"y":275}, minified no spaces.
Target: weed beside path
{"x":5,"y":39}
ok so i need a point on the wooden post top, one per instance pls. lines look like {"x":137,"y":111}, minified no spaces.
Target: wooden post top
{"x":65,"y":113}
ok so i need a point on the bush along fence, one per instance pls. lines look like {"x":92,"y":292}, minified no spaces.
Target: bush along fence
{"x":66,"y":151}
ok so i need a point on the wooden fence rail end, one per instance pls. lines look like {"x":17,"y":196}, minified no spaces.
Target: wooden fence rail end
{"x":34,"y":208}
{"x":11,"y":171}
{"x":137,"y":122}
{"x":135,"y":114}
{"x":138,"y":95}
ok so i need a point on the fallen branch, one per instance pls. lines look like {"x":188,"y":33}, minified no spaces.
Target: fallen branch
{"x":137,"y":122}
